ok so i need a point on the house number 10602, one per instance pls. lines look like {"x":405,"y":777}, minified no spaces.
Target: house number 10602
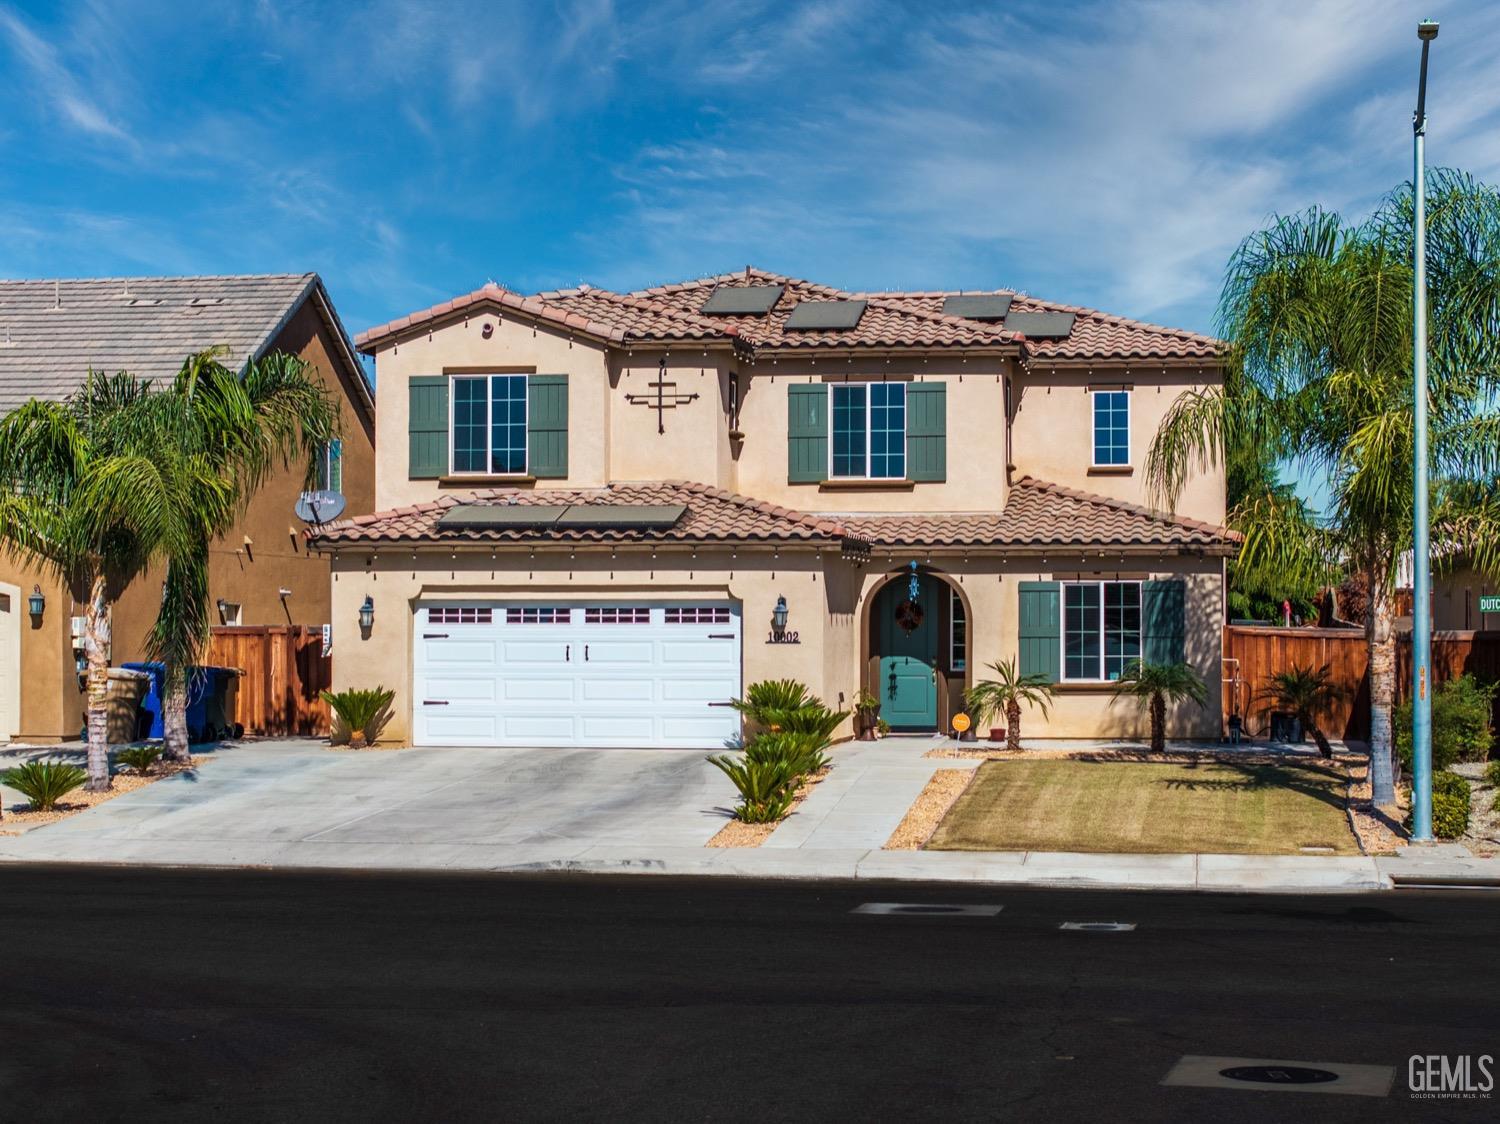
{"x":782,"y":638}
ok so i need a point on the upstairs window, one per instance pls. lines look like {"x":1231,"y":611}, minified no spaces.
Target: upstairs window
{"x":1111,"y":428}
{"x":489,"y":425}
{"x":328,"y":469}
{"x":868,"y":424}
{"x":1101,"y":629}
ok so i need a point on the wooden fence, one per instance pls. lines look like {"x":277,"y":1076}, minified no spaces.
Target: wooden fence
{"x":284,"y":672}
{"x":1261,"y":652}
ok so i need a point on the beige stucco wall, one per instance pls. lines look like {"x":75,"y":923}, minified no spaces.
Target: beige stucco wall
{"x":826,"y":594}
{"x":1053,"y":430}
{"x":695,"y":443}
{"x":1455,"y":598}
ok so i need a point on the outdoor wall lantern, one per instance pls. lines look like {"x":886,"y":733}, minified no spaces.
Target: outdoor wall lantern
{"x":367,"y":615}
{"x":36,"y":603}
{"x":778,"y":616}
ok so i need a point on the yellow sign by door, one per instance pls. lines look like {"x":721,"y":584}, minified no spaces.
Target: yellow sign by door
{"x":961,"y":722}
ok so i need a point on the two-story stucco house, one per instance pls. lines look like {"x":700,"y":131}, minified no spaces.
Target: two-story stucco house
{"x":601,"y":515}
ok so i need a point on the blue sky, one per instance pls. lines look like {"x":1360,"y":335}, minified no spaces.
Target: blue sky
{"x":1107,"y":154}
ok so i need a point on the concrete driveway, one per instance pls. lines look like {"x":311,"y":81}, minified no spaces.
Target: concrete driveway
{"x":298,"y":802}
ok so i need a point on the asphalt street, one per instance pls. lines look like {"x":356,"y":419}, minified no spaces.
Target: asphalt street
{"x":138,"y":994}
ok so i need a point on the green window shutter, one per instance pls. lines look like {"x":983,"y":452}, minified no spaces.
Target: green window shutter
{"x":547,"y":426}
{"x":1040,"y":621}
{"x":806,"y":432}
{"x":427,"y":427}
{"x":927,"y":431}
{"x":1163,"y":621}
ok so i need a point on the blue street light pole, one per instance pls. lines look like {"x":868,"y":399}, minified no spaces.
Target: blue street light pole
{"x":1421,"y":609}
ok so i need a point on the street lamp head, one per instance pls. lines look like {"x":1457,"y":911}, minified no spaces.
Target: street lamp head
{"x":1427,"y":30}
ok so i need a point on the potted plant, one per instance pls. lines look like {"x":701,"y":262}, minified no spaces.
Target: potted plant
{"x":1005,"y":694}
{"x":866,"y":713}
{"x":1307,"y":694}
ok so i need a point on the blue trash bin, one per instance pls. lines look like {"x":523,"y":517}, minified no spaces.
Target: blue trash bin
{"x":201,"y":687}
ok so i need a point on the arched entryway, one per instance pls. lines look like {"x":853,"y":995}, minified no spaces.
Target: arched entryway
{"x":916,"y":648}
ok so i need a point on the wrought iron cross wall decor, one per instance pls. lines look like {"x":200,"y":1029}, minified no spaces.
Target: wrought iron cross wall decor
{"x":664,"y":399}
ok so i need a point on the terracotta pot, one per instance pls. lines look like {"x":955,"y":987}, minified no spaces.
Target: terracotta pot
{"x":998,"y":733}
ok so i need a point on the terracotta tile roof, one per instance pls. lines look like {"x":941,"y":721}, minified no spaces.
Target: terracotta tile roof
{"x":712,"y":516}
{"x":1041,"y":514}
{"x":668,"y":313}
{"x":1095,"y":334}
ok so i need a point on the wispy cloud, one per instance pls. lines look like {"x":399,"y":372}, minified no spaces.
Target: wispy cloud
{"x":57,"y":84}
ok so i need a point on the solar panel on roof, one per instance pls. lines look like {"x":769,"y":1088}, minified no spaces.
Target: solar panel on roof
{"x":515,"y":516}
{"x":825,"y":316}
{"x":622,"y":515}
{"x":1041,"y":325}
{"x":978,"y":307}
{"x":742,"y":300}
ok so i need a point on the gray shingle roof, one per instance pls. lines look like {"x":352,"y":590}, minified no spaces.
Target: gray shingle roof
{"x":52,"y":332}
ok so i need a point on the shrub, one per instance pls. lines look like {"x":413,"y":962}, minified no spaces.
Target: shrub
{"x":44,"y":783}
{"x":1492,"y":774}
{"x":363,"y":712}
{"x":139,"y":757}
{"x":785,"y":704}
{"x":1450,"y":806}
{"x":802,"y":752}
{"x":765,"y":787}
{"x":1461,"y":728}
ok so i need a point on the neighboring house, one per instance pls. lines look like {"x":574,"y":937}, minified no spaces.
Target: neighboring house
{"x":51,"y":334}
{"x":603,"y":514}
{"x":1460,"y":592}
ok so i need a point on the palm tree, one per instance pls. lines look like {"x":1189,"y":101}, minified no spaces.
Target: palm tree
{"x":228,"y":432}
{"x":1007,"y":692}
{"x":62,"y":467}
{"x":1318,"y":315}
{"x":1307,"y":694}
{"x":1154,"y":685}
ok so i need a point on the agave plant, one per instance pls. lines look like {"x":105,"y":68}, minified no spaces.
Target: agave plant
{"x":141,"y":758}
{"x":1307,"y":694}
{"x":1153,"y":685}
{"x":44,"y":783}
{"x":1005,"y":694}
{"x":361,"y":711}
{"x":766,"y":787}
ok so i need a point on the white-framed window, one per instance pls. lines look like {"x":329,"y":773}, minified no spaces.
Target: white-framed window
{"x":867,"y":430}
{"x":487,"y":425}
{"x":328,"y":469}
{"x":697,"y":614}
{"x":612,"y":614}
{"x":231,"y":613}
{"x":1111,"y":427}
{"x":460,"y":614}
{"x":538,"y":614}
{"x":958,"y":633}
{"x":1101,"y":629}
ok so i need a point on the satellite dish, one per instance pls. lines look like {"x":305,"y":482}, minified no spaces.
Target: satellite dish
{"x":319,"y":507}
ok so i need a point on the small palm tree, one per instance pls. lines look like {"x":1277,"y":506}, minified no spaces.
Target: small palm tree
{"x":1307,"y":694}
{"x":362,"y":711}
{"x":1006,"y":693}
{"x":1153,"y":685}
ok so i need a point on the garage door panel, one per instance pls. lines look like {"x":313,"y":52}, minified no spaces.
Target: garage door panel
{"x":453,"y":652}
{"x":637,"y":652}
{"x":539,"y":729}
{"x":715,"y":652}
{"x":535,"y":652}
{"x":597,"y":689}
{"x":460,"y":729}
{"x":462,"y":689}
{"x":559,"y":690}
{"x":710,"y":733}
{"x":698,"y":690}
{"x":605,"y":729}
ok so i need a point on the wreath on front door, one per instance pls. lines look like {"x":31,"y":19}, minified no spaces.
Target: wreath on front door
{"x":909,"y":616}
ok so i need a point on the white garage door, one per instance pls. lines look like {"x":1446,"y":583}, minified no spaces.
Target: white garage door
{"x":606,"y":674}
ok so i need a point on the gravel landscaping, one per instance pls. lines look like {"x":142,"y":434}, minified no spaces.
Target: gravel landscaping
{"x":19,"y":818}
{"x":736,"y":833}
{"x":928,"y":810}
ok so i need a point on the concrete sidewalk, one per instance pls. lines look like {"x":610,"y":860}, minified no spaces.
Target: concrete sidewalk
{"x":295,"y":804}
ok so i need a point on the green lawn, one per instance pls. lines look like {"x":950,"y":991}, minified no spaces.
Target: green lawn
{"x":1149,"y":807}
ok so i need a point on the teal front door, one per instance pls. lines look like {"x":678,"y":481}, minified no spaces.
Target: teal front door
{"x":908,"y":659}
